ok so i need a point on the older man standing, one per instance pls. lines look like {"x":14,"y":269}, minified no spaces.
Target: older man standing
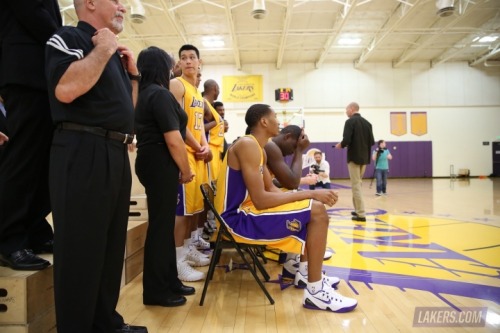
{"x":93,"y":85}
{"x":358,"y":138}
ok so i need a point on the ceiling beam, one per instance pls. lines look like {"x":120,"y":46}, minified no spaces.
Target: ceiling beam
{"x":466,"y":43}
{"x":409,"y":52}
{"x":483,"y":58}
{"x":171,"y":16}
{"x":386,"y":30}
{"x":232,"y":31}
{"x":347,"y":11}
{"x":284,"y":34}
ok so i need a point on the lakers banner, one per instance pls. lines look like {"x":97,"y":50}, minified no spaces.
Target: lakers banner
{"x":419,"y":123}
{"x":246,"y":88}
{"x":398,"y":123}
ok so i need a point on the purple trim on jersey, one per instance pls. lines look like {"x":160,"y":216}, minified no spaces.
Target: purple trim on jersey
{"x":268,"y":225}
{"x":179,"y":209}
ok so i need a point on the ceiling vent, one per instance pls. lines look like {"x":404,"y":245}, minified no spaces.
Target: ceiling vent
{"x":445,"y":8}
{"x":259,"y":9}
{"x":137,"y":11}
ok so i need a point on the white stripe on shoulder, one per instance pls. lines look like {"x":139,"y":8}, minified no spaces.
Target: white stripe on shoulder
{"x":57,"y":42}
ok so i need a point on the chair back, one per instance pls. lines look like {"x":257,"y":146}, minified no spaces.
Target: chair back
{"x":225,"y":238}
{"x":209,"y":195}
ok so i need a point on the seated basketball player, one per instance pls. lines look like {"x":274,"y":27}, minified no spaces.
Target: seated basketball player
{"x":258,"y":212}
{"x":291,"y":141}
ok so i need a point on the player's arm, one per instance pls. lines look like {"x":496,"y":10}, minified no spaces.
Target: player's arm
{"x":177,"y":89}
{"x":210,"y":122}
{"x":83,"y":74}
{"x":191,"y":141}
{"x":287,"y":177}
{"x":204,"y":153}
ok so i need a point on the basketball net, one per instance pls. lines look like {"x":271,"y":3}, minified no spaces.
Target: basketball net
{"x":288,"y":115}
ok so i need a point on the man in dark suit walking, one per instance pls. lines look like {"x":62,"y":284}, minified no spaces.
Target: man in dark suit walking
{"x":358,"y":138}
{"x":25,"y":27}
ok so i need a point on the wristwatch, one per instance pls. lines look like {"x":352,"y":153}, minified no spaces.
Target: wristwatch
{"x":135,"y":77}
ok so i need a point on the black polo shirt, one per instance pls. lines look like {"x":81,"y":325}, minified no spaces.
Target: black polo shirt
{"x":108,"y":104}
{"x":157,"y":112}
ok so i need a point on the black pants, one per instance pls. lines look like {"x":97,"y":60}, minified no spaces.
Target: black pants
{"x":24,"y":161}
{"x":90,"y":184}
{"x":159,"y":174}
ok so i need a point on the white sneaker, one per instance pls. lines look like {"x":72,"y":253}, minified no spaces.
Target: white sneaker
{"x":301,"y":281}
{"x":328,"y":254}
{"x":195,"y":258}
{"x":328,"y":299}
{"x":187,"y":273}
{"x":201,"y":244}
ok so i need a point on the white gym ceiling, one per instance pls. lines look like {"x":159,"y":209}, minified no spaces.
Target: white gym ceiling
{"x":316,"y":31}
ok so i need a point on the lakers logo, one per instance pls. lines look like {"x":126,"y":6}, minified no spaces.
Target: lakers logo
{"x":196,"y":103}
{"x":407,"y":251}
{"x":294,"y":225}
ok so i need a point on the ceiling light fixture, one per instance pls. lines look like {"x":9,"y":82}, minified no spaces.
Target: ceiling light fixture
{"x":259,"y":9}
{"x":137,"y":11}
{"x":213,"y":42}
{"x":349,"y":41}
{"x":445,"y":8}
{"x":487,"y":39}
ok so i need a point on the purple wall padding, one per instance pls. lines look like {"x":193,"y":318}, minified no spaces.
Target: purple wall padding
{"x":410,"y":159}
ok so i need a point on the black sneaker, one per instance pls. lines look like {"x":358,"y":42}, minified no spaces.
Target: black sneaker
{"x":353,"y":213}
{"x":359,"y":218}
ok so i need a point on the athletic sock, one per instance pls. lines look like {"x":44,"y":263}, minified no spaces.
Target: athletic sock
{"x":180,"y":253}
{"x":314,"y":287}
{"x":303,"y":268}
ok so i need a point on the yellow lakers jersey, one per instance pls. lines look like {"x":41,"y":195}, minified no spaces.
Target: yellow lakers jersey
{"x":192,"y":103}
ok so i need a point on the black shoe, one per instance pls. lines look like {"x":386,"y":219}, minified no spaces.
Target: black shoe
{"x":359,"y":218}
{"x":183,"y":290}
{"x":131,"y":329}
{"x":47,"y":247}
{"x":353,"y":213}
{"x":23,"y":260}
{"x":171,"y":301}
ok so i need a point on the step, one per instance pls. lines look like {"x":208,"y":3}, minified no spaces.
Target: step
{"x":27,"y":300}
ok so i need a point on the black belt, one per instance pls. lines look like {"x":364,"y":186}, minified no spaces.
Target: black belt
{"x":123,"y":138}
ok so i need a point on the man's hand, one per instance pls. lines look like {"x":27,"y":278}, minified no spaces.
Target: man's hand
{"x":327,"y":197}
{"x":106,"y":41}
{"x":128,"y":61}
{"x":309,"y":179}
{"x":338,"y":146}
{"x":303,"y":142}
{"x":186,"y":177}
{"x":209,"y":157}
{"x":202,"y":154}
{"x":3,"y":138}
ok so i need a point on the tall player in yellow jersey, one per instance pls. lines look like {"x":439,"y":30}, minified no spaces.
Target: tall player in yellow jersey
{"x":190,"y":201}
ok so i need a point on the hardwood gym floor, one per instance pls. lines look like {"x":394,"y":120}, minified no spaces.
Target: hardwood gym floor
{"x":428,"y":255}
